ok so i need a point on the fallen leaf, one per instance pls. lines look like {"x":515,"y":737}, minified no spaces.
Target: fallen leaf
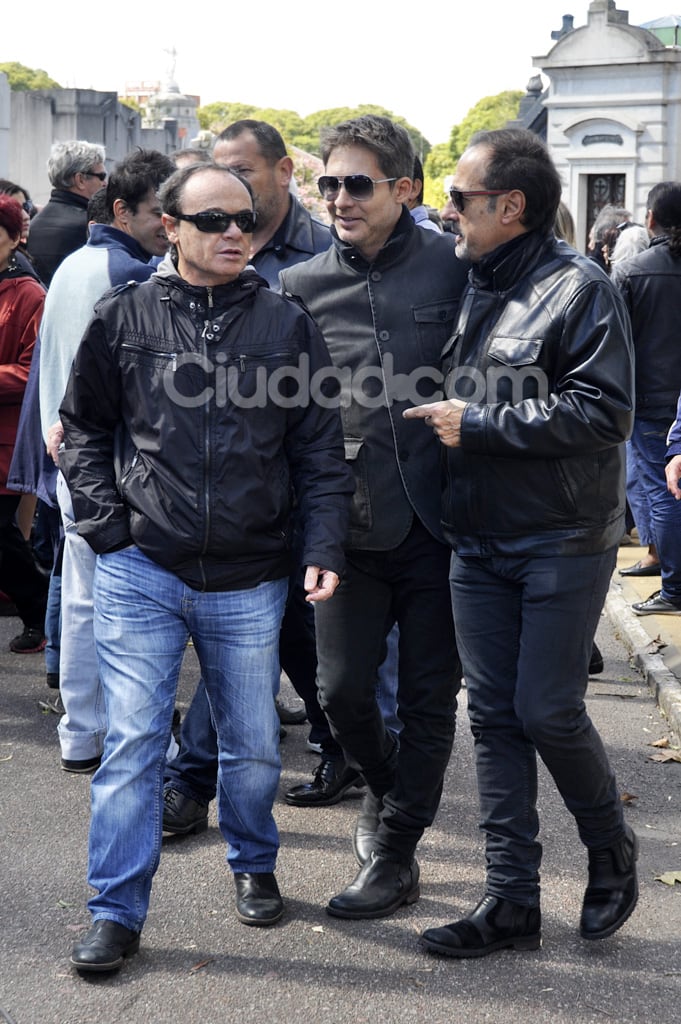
{"x":8,"y":758}
{"x":664,"y":742}
{"x":669,"y":877}
{"x":202,"y":963}
{"x":627,"y":798}
{"x":667,"y":755}
{"x":64,"y":904}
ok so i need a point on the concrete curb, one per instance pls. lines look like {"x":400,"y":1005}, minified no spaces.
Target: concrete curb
{"x":664,"y":685}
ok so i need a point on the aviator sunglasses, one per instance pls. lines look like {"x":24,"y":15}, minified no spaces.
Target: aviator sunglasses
{"x":459,"y":198}
{"x":214,"y":222}
{"x":358,"y":186}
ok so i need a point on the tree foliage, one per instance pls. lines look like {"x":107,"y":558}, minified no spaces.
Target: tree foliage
{"x":487,"y":114}
{"x":302,"y":132}
{"x":21,"y":78}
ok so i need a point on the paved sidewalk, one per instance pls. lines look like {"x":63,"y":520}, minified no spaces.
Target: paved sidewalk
{"x":199,"y":965}
{"x":653,"y":640}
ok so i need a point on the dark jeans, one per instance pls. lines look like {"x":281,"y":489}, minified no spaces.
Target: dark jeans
{"x":408,"y":585}
{"x":648,"y":457}
{"x":19,"y":576}
{"x":194,"y":770}
{"x":525,"y":628}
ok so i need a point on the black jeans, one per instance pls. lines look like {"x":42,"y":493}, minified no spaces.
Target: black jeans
{"x":525,"y":628}
{"x":408,"y":585}
{"x":19,"y":577}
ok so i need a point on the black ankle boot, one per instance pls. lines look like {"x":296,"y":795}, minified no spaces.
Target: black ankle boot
{"x":364,"y":836}
{"x":380,"y":888}
{"x":612,"y":892}
{"x":494,"y":924}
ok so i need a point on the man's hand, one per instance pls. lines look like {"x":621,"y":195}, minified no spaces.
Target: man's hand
{"x":319,"y":583}
{"x":443,"y":417}
{"x":673,"y":472}
{"x":55,"y":436}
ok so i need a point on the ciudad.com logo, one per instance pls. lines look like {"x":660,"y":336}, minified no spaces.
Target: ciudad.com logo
{"x":193,"y":380}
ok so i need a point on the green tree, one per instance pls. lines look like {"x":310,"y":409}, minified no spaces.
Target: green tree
{"x":324,"y":118}
{"x":21,"y":78}
{"x":487,"y":114}
{"x":216,"y":116}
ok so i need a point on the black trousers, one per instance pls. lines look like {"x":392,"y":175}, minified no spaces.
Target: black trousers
{"x":408,"y":585}
{"x":19,"y":577}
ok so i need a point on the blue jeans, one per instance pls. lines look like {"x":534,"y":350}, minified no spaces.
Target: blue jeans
{"x":649,"y":452}
{"x":525,"y":629}
{"x":144,"y":616}
{"x":82,"y":726}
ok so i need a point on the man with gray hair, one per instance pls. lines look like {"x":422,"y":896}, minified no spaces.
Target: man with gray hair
{"x":76,"y":171}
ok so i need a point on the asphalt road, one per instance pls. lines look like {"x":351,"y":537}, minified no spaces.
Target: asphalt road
{"x":199,"y":965}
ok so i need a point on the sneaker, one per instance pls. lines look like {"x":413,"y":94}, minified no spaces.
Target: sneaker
{"x":656,"y":604}
{"x":31,"y":641}
{"x":81,"y":767}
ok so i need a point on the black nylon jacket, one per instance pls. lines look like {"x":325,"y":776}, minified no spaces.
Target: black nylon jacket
{"x":160,"y":449}
{"x":543,"y":353}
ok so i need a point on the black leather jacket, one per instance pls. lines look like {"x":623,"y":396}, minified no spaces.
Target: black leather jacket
{"x":385,"y":324}
{"x":651,"y":285}
{"x":298,"y":238}
{"x":543,"y":353}
{"x":174,"y":440}
{"x":59,"y":229}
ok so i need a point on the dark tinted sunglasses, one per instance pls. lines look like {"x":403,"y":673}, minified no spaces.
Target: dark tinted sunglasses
{"x":459,"y":198}
{"x":357,"y":186}
{"x":95,"y":174}
{"x":214,"y":222}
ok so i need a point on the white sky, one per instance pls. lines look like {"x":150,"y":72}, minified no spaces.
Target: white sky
{"x":308,"y":56}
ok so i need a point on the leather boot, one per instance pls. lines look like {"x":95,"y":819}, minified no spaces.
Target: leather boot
{"x":378,"y":890}
{"x":495,"y":923}
{"x":612,"y":892}
{"x":364,"y":836}
{"x":104,"y":947}
{"x":258,"y":900}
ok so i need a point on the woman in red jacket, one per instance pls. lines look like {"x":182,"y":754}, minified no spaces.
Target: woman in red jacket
{"x":21,"y":306}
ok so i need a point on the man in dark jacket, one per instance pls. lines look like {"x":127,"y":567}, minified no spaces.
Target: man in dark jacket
{"x":285,"y":233}
{"x":539,"y":385}
{"x":385,"y":297}
{"x":76,"y":171}
{"x":183,"y":446}
{"x":651,"y":286}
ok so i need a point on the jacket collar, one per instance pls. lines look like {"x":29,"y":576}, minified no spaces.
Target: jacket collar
{"x":390,"y":251}
{"x":500,"y":269}
{"x":247,"y":283}
{"x":105,"y":235}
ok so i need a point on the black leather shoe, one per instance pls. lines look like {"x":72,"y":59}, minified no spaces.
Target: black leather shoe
{"x":332,"y":779}
{"x":104,"y":947}
{"x":642,"y":570}
{"x":182,"y":815}
{"x":612,"y":892}
{"x":494,"y":924}
{"x":380,"y":888}
{"x":290,"y":716}
{"x":364,"y":836}
{"x":258,"y":900}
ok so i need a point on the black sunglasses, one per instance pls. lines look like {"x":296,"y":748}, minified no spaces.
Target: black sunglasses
{"x":95,"y":174}
{"x":459,"y":198}
{"x":358,"y":186}
{"x":214,"y":222}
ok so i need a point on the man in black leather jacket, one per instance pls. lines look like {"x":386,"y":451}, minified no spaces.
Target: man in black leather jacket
{"x":539,"y":403}
{"x":185,"y":442}
{"x":385,"y":297}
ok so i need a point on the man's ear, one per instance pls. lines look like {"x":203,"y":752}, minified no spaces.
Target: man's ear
{"x":402,"y":189}
{"x":121,"y":211}
{"x":170,"y":226}
{"x":285,"y":170}
{"x":512,"y":206}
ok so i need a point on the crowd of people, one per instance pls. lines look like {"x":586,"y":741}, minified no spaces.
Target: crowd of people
{"x":384,"y":454}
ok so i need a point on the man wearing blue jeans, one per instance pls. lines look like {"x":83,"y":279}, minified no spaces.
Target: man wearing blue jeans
{"x":539,"y":385}
{"x":651,"y":285}
{"x":185,"y":441}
